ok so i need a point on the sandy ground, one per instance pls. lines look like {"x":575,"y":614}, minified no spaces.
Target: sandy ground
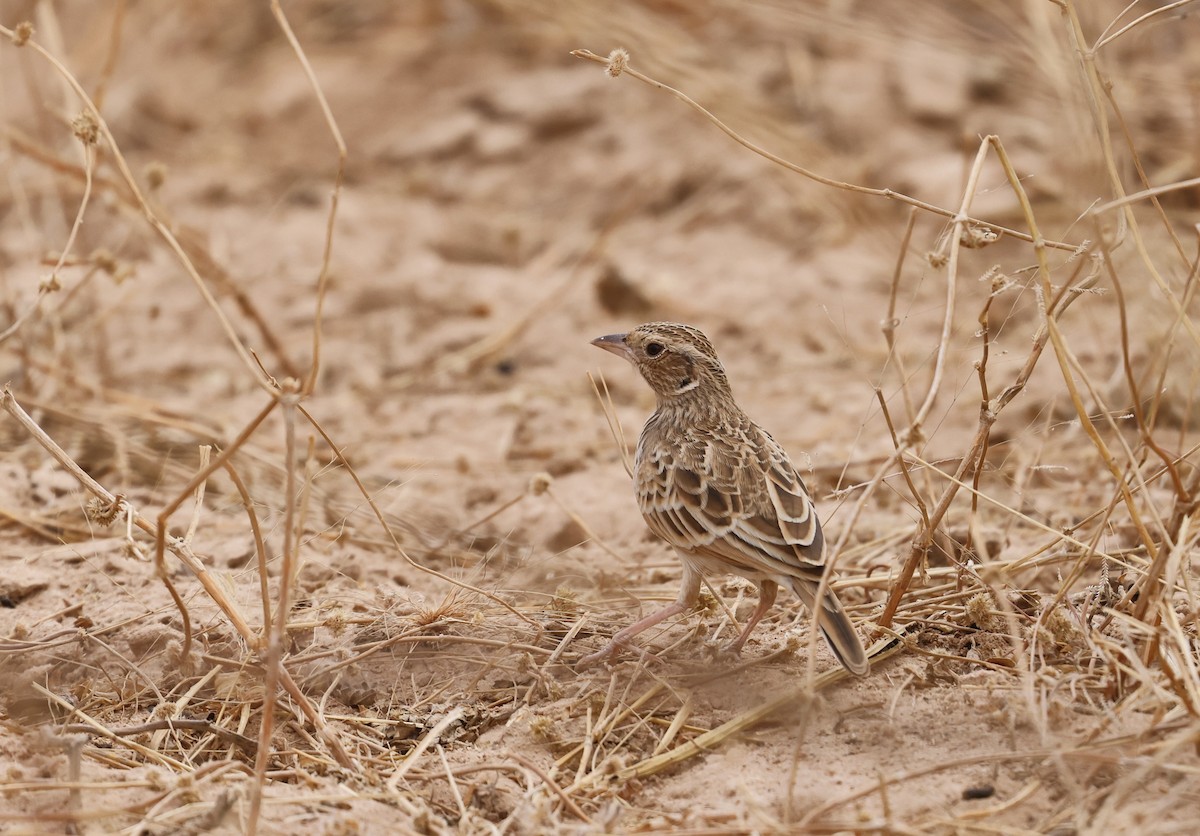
{"x":504,"y":203}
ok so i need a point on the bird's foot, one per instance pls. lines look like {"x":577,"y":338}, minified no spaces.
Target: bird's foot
{"x":731,"y":650}
{"x":609,"y":650}
{"x":599,"y":656}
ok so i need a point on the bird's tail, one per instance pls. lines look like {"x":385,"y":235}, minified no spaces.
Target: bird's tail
{"x":835,"y":625}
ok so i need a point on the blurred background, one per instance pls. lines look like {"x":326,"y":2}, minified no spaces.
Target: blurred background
{"x":505,"y":202}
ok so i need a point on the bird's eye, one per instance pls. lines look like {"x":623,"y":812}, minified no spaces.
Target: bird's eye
{"x":654,"y":349}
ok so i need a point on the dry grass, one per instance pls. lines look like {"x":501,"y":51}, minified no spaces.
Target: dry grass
{"x":1058,"y":605}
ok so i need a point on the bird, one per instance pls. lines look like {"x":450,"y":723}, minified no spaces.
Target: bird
{"x":716,"y":486}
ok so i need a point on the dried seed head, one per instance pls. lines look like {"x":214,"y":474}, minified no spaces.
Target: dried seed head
{"x":86,"y":128}
{"x":336,"y":623}
{"x":543,"y":727}
{"x":998,"y":280}
{"x":22,"y":32}
{"x":979,"y":611}
{"x":103,"y":513}
{"x":618,"y":62}
{"x":1061,"y":626}
{"x":540,"y":483}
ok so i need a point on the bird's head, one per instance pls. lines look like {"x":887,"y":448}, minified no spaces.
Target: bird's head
{"x":676,"y":360}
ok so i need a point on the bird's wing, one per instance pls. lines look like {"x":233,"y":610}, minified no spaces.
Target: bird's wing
{"x":733,"y":494}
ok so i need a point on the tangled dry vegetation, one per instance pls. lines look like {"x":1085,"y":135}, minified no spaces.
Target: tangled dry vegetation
{"x":308,"y":509}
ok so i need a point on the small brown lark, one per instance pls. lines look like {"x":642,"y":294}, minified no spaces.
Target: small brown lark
{"x":718,"y":488}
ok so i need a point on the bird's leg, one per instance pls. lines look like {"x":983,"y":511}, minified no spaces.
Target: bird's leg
{"x":766,"y":598}
{"x":688,"y":594}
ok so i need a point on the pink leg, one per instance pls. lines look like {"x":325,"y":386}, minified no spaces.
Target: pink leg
{"x":688,"y":595}
{"x":766,"y":598}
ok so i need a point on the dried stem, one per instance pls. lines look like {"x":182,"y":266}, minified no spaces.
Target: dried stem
{"x":924,"y":535}
{"x":310,"y":381}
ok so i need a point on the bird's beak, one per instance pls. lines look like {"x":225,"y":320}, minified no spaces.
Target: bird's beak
{"x":614,"y":343}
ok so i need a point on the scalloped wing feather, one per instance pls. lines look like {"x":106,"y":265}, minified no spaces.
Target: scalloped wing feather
{"x":731,"y":494}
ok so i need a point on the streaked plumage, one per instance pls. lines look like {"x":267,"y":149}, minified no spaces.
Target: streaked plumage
{"x":721,"y":490}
